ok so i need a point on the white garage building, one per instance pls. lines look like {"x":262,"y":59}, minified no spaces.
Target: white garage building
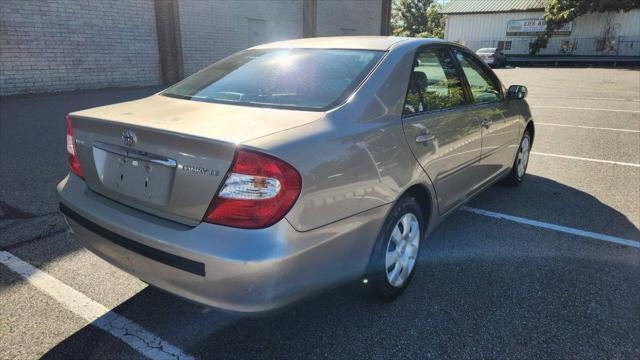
{"x":512,"y":24}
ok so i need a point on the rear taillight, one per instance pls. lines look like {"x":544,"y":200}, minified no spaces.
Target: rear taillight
{"x":257,"y":192}
{"x":74,"y":164}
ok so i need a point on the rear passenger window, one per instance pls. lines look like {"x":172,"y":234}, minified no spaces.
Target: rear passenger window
{"x":483,"y":87}
{"x":434,"y":83}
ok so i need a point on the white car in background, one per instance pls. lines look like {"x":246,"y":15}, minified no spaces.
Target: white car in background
{"x":492,"y":56}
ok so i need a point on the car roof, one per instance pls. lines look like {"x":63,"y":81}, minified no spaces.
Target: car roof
{"x":343,"y":42}
{"x":489,"y":49}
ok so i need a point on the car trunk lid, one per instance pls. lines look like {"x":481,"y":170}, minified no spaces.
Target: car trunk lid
{"x":168,"y":156}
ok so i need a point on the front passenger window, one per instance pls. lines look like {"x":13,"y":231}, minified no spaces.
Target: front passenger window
{"x":434,"y":83}
{"x":483,"y":88}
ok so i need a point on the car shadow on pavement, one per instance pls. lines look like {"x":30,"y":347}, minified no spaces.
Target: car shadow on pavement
{"x":467,"y":306}
{"x":543,"y":199}
{"x":484,"y":288}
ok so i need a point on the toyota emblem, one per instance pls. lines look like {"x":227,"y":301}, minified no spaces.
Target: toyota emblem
{"x":129,"y":137}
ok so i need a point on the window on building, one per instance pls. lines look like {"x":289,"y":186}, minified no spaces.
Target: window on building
{"x":607,"y":45}
{"x":483,"y":87}
{"x":568,"y":46}
{"x":504,"y":45}
{"x":434,"y":83}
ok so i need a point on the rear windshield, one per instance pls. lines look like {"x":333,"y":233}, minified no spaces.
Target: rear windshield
{"x":311,"y":79}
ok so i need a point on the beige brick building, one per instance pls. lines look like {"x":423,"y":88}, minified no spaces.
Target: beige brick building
{"x":64,"y":45}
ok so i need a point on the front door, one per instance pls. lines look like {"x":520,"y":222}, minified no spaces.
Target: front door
{"x":441,"y":130}
{"x":500,"y":129}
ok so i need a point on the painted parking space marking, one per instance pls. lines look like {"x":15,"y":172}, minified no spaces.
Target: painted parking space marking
{"x":586,"y":159}
{"x":581,"y":108}
{"x":554,"y":227}
{"x":132,"y":334}
{"x":582,"y":98}
{"x":587,"y":127}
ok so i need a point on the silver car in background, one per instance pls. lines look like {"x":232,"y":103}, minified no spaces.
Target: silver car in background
{"x":492,"y":56}
{"x":292,"y":167}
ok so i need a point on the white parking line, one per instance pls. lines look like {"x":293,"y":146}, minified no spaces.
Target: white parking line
{"x":587,"y":127}
{"x":564,"y":229}
{"x":581,"y":108}
{"x":581,"y":98}
{"x":587,"y":159}
{"x":134,"y":335}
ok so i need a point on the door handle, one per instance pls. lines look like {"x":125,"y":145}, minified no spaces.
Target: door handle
{"x":424,"y":137}
{"x":486,"y":123}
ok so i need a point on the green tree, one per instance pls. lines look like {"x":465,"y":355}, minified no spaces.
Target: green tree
{"x":417,"y":18}
{"x":560,"y":12}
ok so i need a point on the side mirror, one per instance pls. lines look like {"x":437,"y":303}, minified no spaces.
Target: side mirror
{"x":517,"y":92}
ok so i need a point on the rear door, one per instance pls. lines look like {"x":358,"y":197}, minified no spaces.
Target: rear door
{"x":498,"y":122}
{"x":441,"y":130}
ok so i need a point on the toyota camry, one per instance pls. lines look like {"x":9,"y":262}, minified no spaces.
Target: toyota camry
{"x":292,"y":167}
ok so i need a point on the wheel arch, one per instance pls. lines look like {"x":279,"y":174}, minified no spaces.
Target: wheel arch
{"x":423,"y":196}
{"x":531,"y":128}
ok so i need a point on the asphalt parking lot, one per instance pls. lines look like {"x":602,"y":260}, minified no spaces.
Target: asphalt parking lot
{"x":550,"y":269}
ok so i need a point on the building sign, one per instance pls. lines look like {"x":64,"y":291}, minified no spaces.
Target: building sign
{"x":530,"y":27}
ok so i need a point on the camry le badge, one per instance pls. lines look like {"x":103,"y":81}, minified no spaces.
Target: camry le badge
{"x":129,"y":137}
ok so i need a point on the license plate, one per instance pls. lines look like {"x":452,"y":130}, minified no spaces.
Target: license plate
{"x":135,"y":174}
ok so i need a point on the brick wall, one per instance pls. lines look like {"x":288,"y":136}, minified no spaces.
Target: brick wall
{"x":68,"y":45}
{"x":58,"y":45}
{"x":211,"y":30}
{"x":348,"y":17}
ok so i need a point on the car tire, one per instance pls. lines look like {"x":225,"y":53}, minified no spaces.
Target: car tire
{"x":398,"y":239}
{"x":519,"y":168}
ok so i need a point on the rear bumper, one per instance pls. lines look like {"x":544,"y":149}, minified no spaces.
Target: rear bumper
{"x":233,"y":269}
